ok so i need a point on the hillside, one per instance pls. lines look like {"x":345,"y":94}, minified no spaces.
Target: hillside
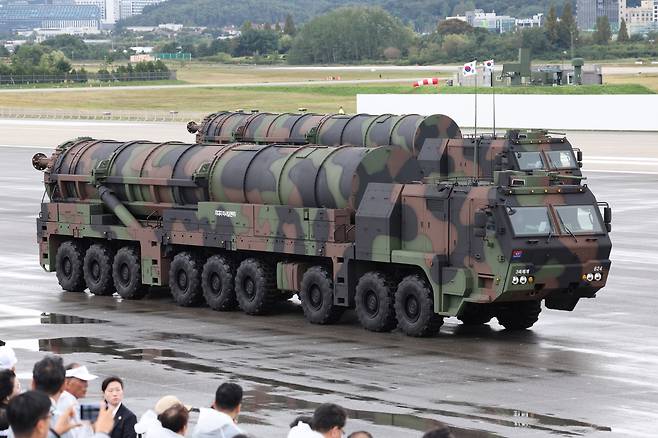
{"x":421,"y":14}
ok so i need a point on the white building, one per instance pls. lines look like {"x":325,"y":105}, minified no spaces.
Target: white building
{"x":497,"y":23}
{"x":640,"y":19}
{"x":536,"y":21}
{"x":128,"y":8}
{"x":115,"y":10}
{"x":108,"y":8}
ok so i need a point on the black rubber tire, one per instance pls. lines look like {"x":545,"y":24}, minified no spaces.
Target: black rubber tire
{"x":414,"y":308}
{"x":375,"y":302}
{"x":97,"y":269}
{"x":127,"y":274}
{"x":185,"y":280}
{"x":317,"y":297}
{"x":69,"y":262}
{"x":476,"y":314}
{"x":518,"y":315}
{"x":255,"y":287}
{"x":217,"y":284}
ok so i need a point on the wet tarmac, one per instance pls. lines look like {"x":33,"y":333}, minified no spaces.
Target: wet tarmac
{"x":592,"y":372}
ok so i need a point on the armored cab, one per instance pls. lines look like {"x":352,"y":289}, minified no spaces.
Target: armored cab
{"x":341,"y":226}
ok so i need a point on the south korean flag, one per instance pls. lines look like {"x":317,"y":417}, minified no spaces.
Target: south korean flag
{"x":469,"y":69}
{"x":489,"y":65}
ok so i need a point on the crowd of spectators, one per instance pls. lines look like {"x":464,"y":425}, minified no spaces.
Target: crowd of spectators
{"x":52,"y":408}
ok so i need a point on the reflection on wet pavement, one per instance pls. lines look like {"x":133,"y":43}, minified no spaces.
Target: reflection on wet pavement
{"x":272,"y":395}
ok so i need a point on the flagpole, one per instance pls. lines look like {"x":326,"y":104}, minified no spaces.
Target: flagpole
{"x":493,"y":90}
{"x":476,"y":100}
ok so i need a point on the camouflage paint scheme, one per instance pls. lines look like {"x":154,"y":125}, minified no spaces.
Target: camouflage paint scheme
{"x":436,"y":140}
{"x":409,"y":131}
{"x":350,"y":208}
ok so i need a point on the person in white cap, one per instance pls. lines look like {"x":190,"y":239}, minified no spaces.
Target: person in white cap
{"x":8,"y":359}
{"x":75,"y":388}
{"x":169,"y":414}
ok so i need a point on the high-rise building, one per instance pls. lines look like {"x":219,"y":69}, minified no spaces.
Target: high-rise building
{"x":54,"y":16}
{"x":115,"y":10}
{"x":129,"y":8}
{"x":587,"y":12}
{"x":640,"y":19}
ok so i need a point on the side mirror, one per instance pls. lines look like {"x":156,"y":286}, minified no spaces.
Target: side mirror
{"x":579,"y":155}
{"x":607,"y":215}
{"x":480,"y":219}
{"x":608,"y":227}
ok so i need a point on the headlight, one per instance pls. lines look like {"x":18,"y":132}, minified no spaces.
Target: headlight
{"x":590,"y":277}
{"x":515,"y":280}
{"x":523,"y":280}
{"x":598,"y":276}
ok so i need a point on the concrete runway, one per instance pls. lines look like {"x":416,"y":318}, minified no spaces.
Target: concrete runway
{"x":592,"y":372}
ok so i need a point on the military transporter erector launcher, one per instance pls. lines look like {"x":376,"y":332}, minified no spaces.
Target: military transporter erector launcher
{"x":436,"y":141}
{"x":343,"y":227}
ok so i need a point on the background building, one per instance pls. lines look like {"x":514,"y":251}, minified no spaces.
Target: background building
{"x":128,"y":8}
{"x":536,"y":21}
{"x":640,"y":19}
{"x":487,"y":20}
{"x":587,"y":11}
{"x":72,"y":17}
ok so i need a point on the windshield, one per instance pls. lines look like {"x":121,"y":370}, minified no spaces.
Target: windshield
{"x":530,"y":221}
{"x":530,"y":160}
{"x":562,"y":159}
{"x":580,"y":219}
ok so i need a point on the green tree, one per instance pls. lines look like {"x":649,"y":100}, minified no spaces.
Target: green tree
{"x":567,"y":30}
{"x":551,"y":26}
{"x":453,"y":27}
{"x":349,"y":34}
{"x":256,"y":42}
{"x":622,"y":35}
{"x":603,"y":33}
{"x":289,"y":26}
{"x":456,"y":46}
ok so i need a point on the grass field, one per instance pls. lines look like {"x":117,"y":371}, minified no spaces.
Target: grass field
{"x":275,"y":98}
{"x":208,"y":73}
{"x":313,"y":96}
{"x":216,"y":74}
{"x":649,"y":81}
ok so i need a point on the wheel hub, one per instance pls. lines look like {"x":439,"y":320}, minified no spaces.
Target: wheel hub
{"x":125,"y":274}
{"x":372,"y":303}
{"x":412,"y":308}
{"x":315,"y":295}
{"x":182,"y":279}
{"x":95,"y":270}
{"x":68,"y":267}
{"x":249,"y":288}
{"x":215,"y":283}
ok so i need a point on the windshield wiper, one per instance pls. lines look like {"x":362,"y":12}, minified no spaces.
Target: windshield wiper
{"x":567,"y":228}
{"x":550,"y":235}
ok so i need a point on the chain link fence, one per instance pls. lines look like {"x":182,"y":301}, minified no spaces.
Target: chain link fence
{"x":125,"y":115}
{"x":79,"y":78}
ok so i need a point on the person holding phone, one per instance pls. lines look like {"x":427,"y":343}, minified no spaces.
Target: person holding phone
{"x":124,"y":418}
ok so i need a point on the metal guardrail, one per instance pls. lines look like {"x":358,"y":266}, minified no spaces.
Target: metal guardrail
{"x":121,"y":115}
